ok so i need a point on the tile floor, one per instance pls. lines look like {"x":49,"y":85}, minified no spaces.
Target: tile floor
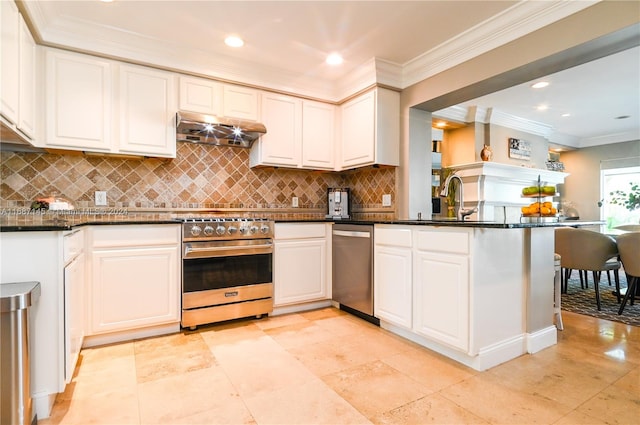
{"x":328,"y":367}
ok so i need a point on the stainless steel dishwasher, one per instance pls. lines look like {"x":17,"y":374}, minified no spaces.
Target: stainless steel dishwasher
{"x":353,"y":268}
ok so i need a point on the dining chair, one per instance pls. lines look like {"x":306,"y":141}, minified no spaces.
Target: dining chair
{"x":587,"y":250}
{"x":629,"y":249}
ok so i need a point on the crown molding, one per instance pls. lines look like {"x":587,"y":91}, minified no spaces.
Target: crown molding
{"x":626,"y":136}
{"x":513,"y":23}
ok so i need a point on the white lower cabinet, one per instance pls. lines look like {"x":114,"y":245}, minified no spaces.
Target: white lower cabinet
{"x":392,"y":275}
{"x":74,"y":313}
{"x":135,"y":278}
{"x":301,"y":268}
{"x":441,"y":297}
{"x":422,"y":282}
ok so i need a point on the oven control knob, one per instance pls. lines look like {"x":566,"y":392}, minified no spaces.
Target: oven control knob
{"x":208,"y":230}
{"x":232,"y":230}
{"x":195,"y":230}
{"x":253,"y":229}
{"x":220,"y":229}
{"x":264,"y":229}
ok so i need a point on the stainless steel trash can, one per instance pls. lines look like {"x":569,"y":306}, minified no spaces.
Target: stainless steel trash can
{"x":15,"y":395}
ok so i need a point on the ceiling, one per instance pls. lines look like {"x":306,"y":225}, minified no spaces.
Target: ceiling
{"x":400,"y":42}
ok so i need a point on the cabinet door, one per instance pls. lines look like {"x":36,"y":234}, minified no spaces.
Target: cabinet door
{"x":27,"y":111}
{"x":10,"y":87}
{"x":74,"y":313}
{"x":299,"y":272}
{"x":200,"y":95}
{"x":441,"y":298}
{"x":318,"y":135}
{"x":78,"y":113}
{"x":147,"y":112}
{"x":282,"y":115}
{"x":133,"y":288}
{"x":392,"y":277}
{"x":240,"y":102}
{"x":358,"y":131}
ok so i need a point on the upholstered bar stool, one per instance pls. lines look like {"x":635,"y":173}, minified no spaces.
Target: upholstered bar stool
{"x":629,"y":248}
{"x":557,"y":291}
{"x":587,"y":250}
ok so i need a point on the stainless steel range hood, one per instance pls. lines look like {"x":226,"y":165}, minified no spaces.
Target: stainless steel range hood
{"x":213,"y":130}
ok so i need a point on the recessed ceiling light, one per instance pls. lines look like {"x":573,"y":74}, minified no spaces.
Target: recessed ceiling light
{"x":441,"y":124}
{"x":566,"y":115}
{"x":539,"y":84}
{"x":234,"y":41}
{"x":106,"y":1}
{"x":622,"y":117}
{"x":334,"y":59}
{"x":542,"y":107}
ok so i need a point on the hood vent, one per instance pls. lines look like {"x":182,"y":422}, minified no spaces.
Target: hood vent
{"x":212,"y":130}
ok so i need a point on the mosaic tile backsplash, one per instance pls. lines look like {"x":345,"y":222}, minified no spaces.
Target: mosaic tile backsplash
{"x":200,"y":176}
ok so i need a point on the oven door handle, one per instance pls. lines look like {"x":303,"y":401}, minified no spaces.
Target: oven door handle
{"x":226,"y":251}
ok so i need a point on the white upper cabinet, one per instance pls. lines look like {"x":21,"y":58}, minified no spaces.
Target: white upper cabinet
{"x":281,"y":146}
{"x":371,"y":129}
{"x":78,"y":102}
{"x":147,"y":112}
{"x":27,"y":110}
{"x":10,"y":93}
{"x":300,"y":134}
{"x":18,"y":87}
{"x":84,"y":94}
{"x":201,"y":95}
{"x":318,"y":135}
{"x":240,"y":102}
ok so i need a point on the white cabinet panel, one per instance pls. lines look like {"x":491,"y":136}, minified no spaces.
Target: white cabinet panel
{"x":147,"y":112}
{"x":135,"y":277}
{"x":27,"y":111}
{"x":371,"y":129}
{"x":10,"y":88}
{"x":74,"y":312}
{"x":318,"y":135}
{"x":79,"y":102}
{"x":282,"y":116}
{"x":132,"y":288}
{"x":201,"y":95}
{"x":300,"y":271}
{"x":18,"y":72}
{"x":441,"y":298}
{"x":358,"y":131}
{"x":392,"y":277}
{"x":240,"y":102}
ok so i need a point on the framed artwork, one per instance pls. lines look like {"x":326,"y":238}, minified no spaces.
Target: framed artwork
{"x":519,"y":149}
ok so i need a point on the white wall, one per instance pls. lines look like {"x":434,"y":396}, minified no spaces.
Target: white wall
{"x":582,"y":186}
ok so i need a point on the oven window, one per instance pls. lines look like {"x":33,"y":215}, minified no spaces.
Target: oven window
{"x":199,"y":274}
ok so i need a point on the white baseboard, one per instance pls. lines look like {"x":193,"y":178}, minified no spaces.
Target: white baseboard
{"x":111,"y":338}
{"x":486,"y":358}
{"x":296,"y":308}
{"x":541,"y":339}
{"x":42,"y":404}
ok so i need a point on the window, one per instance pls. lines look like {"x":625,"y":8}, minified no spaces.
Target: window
{"x":612,"y":180}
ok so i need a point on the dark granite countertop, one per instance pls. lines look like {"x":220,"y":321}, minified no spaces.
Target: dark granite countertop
{"x":35,"y":221}
{"x":454,"y":223}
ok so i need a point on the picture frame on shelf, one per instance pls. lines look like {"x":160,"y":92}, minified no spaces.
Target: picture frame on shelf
{"x":519,"y":149}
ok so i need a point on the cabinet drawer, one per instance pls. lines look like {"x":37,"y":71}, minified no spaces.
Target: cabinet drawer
{"x":73,"y":245}
{"x":300,"y":230}
{"x":393,"y":236}
{"x":135,"y":235}
{"x":454,"y":242}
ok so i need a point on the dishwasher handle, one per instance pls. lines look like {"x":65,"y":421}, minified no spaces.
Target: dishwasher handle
{"x":352,"y":234}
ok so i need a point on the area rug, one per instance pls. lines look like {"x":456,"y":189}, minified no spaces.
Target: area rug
{"x":583,"y":301}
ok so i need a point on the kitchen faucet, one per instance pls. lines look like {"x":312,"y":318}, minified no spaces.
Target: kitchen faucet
{"x":462,"y":212}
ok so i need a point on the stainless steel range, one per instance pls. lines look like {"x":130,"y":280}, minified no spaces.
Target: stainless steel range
{"x":226,"y":269}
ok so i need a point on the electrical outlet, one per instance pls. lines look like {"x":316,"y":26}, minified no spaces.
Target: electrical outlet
{"x":294,"y":202}
{"x":101,"y":198}
{"x":386,"y":200}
